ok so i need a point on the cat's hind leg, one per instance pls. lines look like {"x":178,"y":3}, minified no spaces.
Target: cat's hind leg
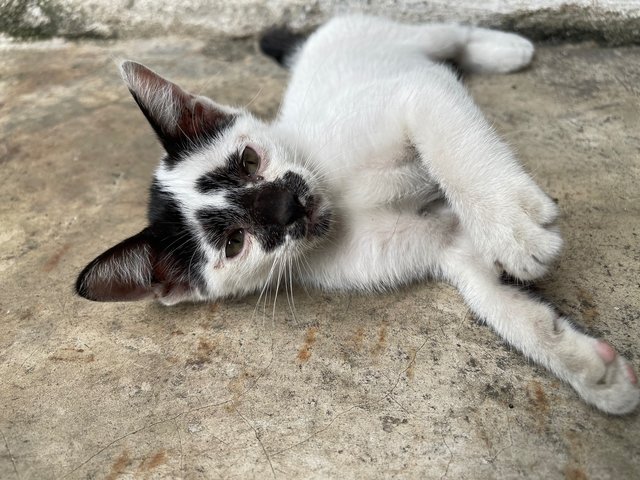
{"x":600,"y":375}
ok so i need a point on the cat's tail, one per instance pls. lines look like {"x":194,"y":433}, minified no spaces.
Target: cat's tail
{"x":282,"y":44}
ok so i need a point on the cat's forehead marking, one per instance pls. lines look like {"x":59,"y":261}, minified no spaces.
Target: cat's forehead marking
{"x":222,"y":178}
{"x":182,"y":179}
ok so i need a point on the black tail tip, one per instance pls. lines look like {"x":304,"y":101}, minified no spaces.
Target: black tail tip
{"x":280,"y":43}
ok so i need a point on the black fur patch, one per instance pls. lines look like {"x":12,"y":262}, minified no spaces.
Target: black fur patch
{"x":295,"y":183}
{"x":179,"y":146}
{"x":172,"y":234}
{"x":218,"y":223}
{"x":268,"y":210}
{"x":194,"y":128}
{"x":223,"y":178}
{"x":280,"y":43}
{"x":119,"y":286}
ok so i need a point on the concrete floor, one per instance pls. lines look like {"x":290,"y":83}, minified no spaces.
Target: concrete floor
{"x":399,"y":385}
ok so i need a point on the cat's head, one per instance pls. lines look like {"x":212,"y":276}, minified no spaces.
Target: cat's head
{"x":229,"y":200}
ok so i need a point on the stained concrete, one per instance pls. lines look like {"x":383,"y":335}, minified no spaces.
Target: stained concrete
{"x":400,"y":385}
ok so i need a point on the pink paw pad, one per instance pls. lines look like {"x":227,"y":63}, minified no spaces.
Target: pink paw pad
{"x":631,"y":375}
{"x":605,"y":351}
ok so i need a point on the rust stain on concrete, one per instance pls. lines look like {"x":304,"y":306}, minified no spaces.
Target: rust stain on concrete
{"x":72,"y":355}
{"x":237,"y":387}
{"x":538,"y":398}
{"x":381,"y":343}
{"x":309,"y":340}
{"x":119,"y":466}
{"x":575,"y":473}
{"x":540,"y":404}
{"x":54,"y":260}
{"x":203,"y":352}
{"x":358,"y":339}
{"x":154,"y":461}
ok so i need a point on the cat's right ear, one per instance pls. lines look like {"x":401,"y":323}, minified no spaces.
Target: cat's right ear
{"x":181,"y":120}
{"x":134,"y":269}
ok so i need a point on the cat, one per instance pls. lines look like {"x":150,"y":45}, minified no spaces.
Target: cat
{"x":379,"y":170}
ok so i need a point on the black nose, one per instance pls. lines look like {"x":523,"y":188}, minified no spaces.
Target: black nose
{"x":274,"y":205}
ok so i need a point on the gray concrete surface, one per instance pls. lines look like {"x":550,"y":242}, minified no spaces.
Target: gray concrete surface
{"x":402,"y":385}
{"x":609,"y":21}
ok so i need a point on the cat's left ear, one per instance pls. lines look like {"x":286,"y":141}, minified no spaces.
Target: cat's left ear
{"x":181,"y":120}
{"x":134,"y":269}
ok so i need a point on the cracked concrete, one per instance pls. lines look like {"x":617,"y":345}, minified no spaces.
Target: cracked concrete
{"x":398,"y":385}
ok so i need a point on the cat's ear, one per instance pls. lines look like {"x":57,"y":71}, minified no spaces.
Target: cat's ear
{"x":181,"y":120}
{"x":133,"y":269}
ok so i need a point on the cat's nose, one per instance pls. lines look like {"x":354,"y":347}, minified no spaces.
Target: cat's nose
{"x":275,"y":205}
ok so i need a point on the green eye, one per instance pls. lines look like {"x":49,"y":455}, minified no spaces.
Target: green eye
{"x":235,"y":242}
{"x":250,"y":161}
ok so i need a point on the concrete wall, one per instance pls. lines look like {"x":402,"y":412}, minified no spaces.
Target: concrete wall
{"x":609,"y":21}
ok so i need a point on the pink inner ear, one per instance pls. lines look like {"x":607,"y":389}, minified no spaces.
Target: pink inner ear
{"x":178,"y":117}
{"x":197,"y":119}
{"x":133,"y":269}
{"x":122,"y":273}
{"x":121,"y":292}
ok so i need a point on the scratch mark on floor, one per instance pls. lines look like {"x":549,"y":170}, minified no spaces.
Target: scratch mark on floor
{"x":314,"y":434}
{"x":450,"y":458}
{"x":13,"y":460}
{"x":407,"y":369}
{"x":255,"y":431}
{"x":181,"y":449}
{"x":19,"y":369}
{"x":171,"y":418}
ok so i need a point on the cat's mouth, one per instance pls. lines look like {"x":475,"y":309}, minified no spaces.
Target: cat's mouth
{"x":318,"y":221}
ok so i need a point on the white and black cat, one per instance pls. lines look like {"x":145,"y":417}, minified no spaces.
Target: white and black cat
{"x":378,"y":170}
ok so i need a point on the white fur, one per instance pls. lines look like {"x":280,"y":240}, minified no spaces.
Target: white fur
{"x":362,"y":90}
{"x":384,"y":133}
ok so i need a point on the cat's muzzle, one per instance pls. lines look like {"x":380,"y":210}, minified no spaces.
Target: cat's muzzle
{"x":318,"y":217}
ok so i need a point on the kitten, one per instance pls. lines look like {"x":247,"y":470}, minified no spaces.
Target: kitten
{"x":379,"y":170}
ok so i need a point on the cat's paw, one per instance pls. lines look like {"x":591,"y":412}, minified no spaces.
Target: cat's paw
{"x":607,"y":380}
{"x":494,"y":51}
{"x":525,"y":241}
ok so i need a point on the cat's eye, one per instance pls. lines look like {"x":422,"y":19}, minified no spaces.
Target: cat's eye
{"x":250,"y":161}
{"x":235,"y":242}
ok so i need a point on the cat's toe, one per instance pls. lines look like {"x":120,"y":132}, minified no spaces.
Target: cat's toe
{"x":529,"y":241}
{"x":616,"y":390}
{"x":538,"y":206}
{"x":531,"y":252}
{"x":605,"y":351}
{"x":631,"y":375}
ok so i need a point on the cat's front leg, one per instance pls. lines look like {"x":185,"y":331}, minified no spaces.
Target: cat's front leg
{"x":509,"y":218}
